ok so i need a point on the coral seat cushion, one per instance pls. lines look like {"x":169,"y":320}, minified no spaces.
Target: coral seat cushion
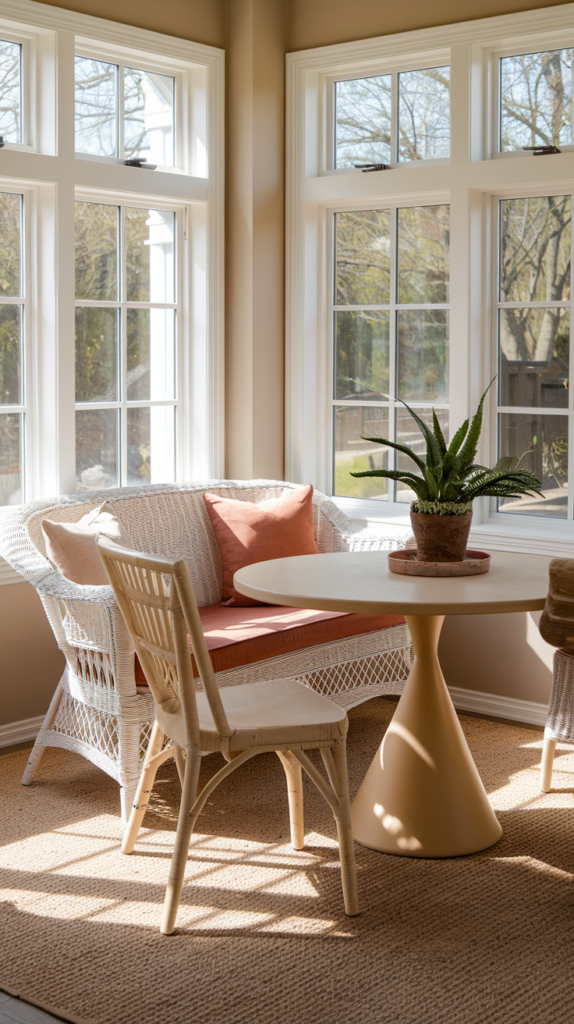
{"x":247,"y":533}
{"x":240,"y":636}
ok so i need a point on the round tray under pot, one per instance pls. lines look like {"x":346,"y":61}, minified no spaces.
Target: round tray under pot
{"x":475,"y":563}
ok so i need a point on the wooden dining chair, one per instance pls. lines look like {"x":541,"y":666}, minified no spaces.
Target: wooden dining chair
{"x":238,"y":721}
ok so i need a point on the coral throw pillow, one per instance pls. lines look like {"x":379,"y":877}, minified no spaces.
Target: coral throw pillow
{"x":247,"y":533}
{"x":71,"y":547}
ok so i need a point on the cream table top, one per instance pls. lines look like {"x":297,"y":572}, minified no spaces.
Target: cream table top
{"x":361,"y":581}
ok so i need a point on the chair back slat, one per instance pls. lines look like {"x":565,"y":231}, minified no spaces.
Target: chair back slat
{"x":159,"y":620}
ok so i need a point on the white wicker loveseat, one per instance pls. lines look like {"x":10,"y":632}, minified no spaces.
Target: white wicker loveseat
{"x":98,"y":710}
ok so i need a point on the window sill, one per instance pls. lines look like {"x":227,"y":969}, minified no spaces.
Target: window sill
{"x":542,"y":538}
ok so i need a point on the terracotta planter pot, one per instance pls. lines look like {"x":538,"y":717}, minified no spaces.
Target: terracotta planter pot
{"x":441,"y":538}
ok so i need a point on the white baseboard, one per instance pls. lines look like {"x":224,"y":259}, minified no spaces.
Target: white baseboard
{"x":464,"y":700}
{"x":492,"y":704}
{"x":20,"y":732}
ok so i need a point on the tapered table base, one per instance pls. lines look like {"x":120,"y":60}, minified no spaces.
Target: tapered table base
{"x":422,"y":795}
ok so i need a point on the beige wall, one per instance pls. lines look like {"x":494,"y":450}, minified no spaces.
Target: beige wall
{"x":324,"y":22}
{"x":202,"y":21}
{"x":500,"y":654}
{"x":257,"y":38}
{"x":30,"y":662}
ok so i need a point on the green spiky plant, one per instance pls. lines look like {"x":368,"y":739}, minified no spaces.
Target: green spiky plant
{"x":449,"y":477}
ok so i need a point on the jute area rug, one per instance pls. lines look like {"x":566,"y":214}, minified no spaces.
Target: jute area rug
{"x":262,"y":937}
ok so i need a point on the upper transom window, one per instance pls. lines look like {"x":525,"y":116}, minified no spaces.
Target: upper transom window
{"x":124,"y":112}
{"x":536,"y":99}
{"x":10,"y":91}
{"x":393,"y":118}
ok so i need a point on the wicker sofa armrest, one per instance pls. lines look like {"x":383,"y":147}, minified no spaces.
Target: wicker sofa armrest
{"x":347,"y":535}
{"x":85,"y":620}
{"x":19,"y":551}
{"x":389,"y":538}
{"x":557,"y":620}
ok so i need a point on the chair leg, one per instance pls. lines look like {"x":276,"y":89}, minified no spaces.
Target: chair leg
{"x":345,"y":832}
{"x":295,"y":794}
{"x":143,"y":790}
{"x":38,"y":749}
{"x":184,"y":829}
{"x":547,"y":762}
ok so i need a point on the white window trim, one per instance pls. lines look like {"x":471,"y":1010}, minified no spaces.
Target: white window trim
{"x":49,"y":173}
{"x":472,"y":179}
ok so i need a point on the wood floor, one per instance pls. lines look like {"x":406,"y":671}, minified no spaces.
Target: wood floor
{"x":14,"y":1011}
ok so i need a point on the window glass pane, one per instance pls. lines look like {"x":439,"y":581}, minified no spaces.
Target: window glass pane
{"x":149,"y":258}
{"x":423,"y":355}
{"x":424,"y":114}
{"x":363,"y":258}
{"x":363,"y":121}
{"x":11,"y":437}
{"x":534,"y":357}
{"x":11,"y":247}
{"x":151,"y":445}
{"x":536,"y":99}
{"x":151,"y":354}
{"x":96,"y":252}
{"x":423,"y":254}
{"x":10,"y":91}
{"x":96,"y":355}
{"x":96,"y":107}
{"x":362,"y":355}
{"x":10,"y":354}
{"x":148,"y":116}
{"x":352,"y":454}
{"x":535,"y":249}
{"x":543,"y":443}
{"x":409,"y":433}
{"x":97,"y":444}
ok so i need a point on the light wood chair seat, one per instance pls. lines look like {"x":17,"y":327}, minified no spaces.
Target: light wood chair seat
{"x":281,"y":715}
{"x":260,"y":714}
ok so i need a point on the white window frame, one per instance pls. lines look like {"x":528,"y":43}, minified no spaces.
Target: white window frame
{"x":472,"y":182}
{"x":50,"y":175}
{"x":438,"y":58}
{"x":190,"y":89}
{"x":182,"y":398}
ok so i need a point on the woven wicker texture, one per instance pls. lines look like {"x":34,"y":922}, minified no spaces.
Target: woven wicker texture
{"x":262,"y":938}
{"x":101,"y":715}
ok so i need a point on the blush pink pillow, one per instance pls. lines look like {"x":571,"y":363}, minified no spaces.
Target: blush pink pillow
{"x":248,"y":533}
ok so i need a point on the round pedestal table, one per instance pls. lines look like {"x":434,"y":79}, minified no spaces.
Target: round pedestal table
{"x":422,"y":795}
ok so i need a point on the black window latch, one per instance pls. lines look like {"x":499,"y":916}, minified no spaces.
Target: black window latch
{"x":542,"y":150}
{"x":372,"y":167}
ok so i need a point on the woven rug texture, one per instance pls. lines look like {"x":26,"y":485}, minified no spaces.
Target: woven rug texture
{"x":262,"y":937}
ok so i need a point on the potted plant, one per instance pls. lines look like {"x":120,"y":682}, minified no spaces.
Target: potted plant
{"x":448,"y":481}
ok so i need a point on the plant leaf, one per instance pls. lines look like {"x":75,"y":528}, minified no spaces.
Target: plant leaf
{"x":416,"y":482}
{"x":403,"y":448}
{"x":432,"y":483}
{"x":493,"y":484}
{"x":438,"y":434}
{"x":458,"y":439}
{"x":468,"y":450}
{"x":433,"y":454}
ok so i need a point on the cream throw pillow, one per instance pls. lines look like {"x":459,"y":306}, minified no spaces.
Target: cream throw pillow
{"x":71,"y":547}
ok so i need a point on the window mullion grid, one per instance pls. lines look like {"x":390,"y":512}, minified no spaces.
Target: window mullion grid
{"x":568,"y":413}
